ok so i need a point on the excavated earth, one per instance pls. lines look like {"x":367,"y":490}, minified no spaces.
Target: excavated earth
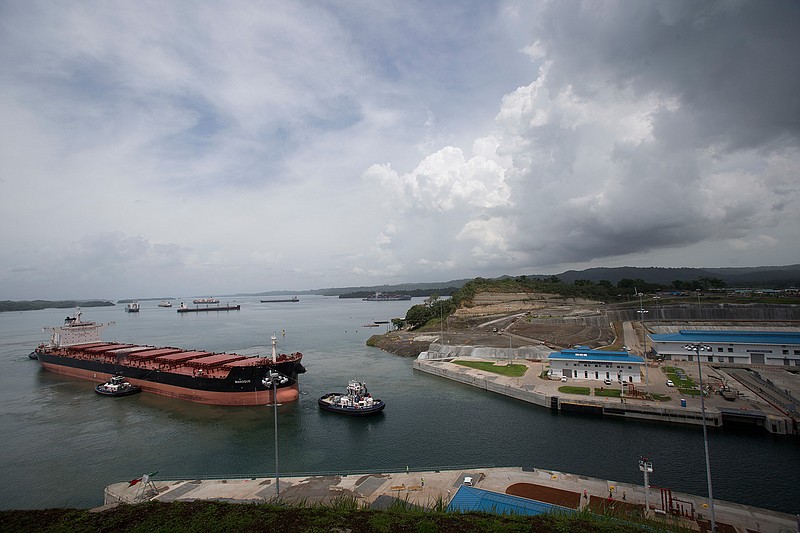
{"x":530,"y":318}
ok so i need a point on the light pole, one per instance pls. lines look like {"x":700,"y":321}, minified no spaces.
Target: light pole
{"x":642,"y":312}
{"x":508,"y":330}
{"x":697,"y":348}
{"x":647,"y":468}
{"x":699,"y":309}
{"x":273,"y":379}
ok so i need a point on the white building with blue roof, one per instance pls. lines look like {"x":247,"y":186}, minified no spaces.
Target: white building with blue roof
{"x":734,"y":347}
{"x":585,"y":363}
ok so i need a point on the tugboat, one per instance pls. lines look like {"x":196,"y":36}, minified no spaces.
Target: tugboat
{"x":356,"y":401}
{"x":117,"y":386}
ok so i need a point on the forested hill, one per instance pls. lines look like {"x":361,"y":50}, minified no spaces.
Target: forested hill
{"x":33,"y":305}
{"x":774,"y":277}
{"x":765,"y":277}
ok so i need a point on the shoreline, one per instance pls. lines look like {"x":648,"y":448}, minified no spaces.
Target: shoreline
{"x":532,"y":389}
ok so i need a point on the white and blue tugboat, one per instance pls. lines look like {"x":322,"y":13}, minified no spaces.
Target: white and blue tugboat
{"x":357,"y":401}
{"x":117,"y":386}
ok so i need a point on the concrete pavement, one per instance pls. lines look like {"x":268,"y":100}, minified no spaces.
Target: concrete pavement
{"x":427,"y":488}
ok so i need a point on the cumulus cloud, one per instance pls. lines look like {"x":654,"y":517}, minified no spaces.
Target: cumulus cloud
{"x":643,"y":130}
{"x":210,"y":149}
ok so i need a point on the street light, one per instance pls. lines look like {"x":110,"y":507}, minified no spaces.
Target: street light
{"x":697,"y":348}
{"x":642,"y":311}
{"x":647,"y":468}
{"x":508,"y":330}
{"x":273,"y":379}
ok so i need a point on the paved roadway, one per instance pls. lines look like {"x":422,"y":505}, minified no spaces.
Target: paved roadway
{"x":425,"y":489}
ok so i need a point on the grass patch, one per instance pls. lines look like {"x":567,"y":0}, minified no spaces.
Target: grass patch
{"x":567,"y":389}
{"x":679,"y":383}
{"x":288,"y":518}
{"x":608,"y":393}
{"x":689,"y":392}
{"x":513,"y":371}
{"x":660,"y":397}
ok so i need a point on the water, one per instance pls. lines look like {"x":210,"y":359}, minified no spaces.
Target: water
{"x":60,"y":443}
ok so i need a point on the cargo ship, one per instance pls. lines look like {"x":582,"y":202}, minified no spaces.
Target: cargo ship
{"x":76,"y":349}
{"x":386,"y":297}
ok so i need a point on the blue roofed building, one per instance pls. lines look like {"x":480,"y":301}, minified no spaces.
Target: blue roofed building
{"x":585,"y":363}
{"x":735,"y":347}
{"x":473,"y":499}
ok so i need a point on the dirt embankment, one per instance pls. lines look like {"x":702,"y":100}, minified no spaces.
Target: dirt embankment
{"x":483,"y":322}
{"x":403,"y":343}
{"x":537,"y":304}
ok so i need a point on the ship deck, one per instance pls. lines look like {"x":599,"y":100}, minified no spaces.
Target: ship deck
{"x":174,"y":360}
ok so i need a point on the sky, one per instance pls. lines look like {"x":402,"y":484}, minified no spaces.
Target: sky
{"x":175,"y":148}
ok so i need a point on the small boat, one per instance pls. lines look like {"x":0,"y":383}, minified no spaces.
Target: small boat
{"x":356,"y":401}
{"x":165,"y":303}
{"x":132,"y":307}
{"x":117,"y":386}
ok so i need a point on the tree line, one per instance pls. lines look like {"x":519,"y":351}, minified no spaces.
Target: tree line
{"x":35,"y":305}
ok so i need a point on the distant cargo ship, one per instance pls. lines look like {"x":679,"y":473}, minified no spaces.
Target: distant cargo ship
{"x":183,"y":308}
{"x":209,"y":300}
{"x":386,"y":297}
{"x":75,"y":349}
{"x":292,"y":299}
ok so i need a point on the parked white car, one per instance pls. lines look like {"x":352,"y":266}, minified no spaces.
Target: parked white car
{"x":670,"y":383}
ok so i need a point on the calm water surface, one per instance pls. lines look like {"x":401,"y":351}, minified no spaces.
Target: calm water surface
{"x":60,"y":443}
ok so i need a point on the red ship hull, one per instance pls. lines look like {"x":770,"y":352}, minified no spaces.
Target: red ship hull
{"x":202,"y":377}
{"x":75,"y":349}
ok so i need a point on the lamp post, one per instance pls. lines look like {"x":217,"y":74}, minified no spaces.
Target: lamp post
{"x":508,"y":330}
{"x":642,"y":312}
{"x":699,"y":309}
{"x":273,"y":379}
{"x":647,"y":468}
{"x":697,"y":348}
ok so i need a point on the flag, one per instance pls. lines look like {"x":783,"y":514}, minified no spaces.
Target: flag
{"x":133,"y":482}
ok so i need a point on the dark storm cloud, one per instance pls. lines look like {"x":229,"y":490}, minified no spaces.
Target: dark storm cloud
{"x":713,"y":87}
{"x":733,"y":65}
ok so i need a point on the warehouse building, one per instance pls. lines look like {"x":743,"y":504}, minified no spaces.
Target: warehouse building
{"x":736,"y":347}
